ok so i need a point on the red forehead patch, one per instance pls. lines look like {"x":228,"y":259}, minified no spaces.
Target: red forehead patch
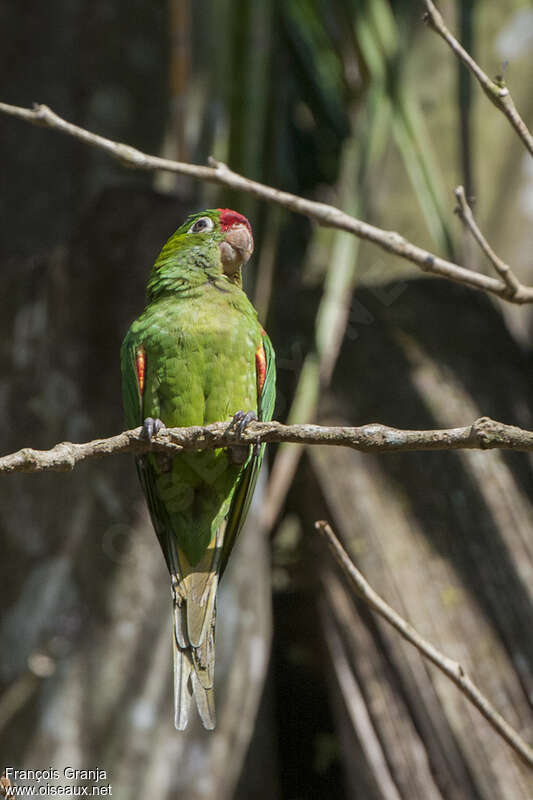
{"x":229,"y":218}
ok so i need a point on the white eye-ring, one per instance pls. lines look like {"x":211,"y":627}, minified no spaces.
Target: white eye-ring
{"x":202,"y":225}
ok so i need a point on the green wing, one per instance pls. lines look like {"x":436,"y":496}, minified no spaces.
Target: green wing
{"x":267,"y":401}
{"x":242,"y":497}
{"x":131,"y":396}
{"x":133,"y":412}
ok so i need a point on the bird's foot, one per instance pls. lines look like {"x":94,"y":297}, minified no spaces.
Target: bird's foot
{"x":151,"y":427}
{"x":241,"y":420}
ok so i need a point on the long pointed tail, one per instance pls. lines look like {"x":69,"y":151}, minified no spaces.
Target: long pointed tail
{"x":194,"y":614}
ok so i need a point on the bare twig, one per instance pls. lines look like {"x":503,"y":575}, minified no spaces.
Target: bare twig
{"x":6,"y":787}
{"x":467,"y":217}
{"x":496,"y":90}
{"x":324,"y":214}
{"x":453,"y":670}
{"x":484,"y":434}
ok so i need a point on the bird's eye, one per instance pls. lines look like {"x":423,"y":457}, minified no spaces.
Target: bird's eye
{"x":202,"y":225}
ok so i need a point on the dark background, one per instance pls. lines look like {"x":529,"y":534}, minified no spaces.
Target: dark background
{"x":350,"y":102}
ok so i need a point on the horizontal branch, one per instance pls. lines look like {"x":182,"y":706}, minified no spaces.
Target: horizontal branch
{"x":324,"y":214}
{"x":453,"y":670}
{"x":484,"y":434}
{"x":496,"y":90}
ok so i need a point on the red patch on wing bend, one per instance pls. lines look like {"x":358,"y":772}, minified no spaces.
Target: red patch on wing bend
{"x":229,"y":218}
{"x":140,"y":365}
{"x":260,"y":368}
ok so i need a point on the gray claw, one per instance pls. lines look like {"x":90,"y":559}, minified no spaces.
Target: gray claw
{"x":151,"y":427}
{"x":241,"y":419}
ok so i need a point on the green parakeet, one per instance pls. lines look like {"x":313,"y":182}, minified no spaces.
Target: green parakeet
{"x":196,"y":355}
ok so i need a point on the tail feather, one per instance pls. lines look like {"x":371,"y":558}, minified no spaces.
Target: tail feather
{"x":201,"y":591}
{"x":194,"y":670}
{"x":194,"y":591}
{"x":205,"y":702}
{"x":180,"y":630}
{"x":204,"y":658}
{"x":182,"y":694}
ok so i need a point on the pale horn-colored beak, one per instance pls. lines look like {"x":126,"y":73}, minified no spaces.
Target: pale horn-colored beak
{"x":235,"y":249}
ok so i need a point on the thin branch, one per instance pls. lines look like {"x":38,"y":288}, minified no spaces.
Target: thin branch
{"x":484,"y":434}
{"x":324,"y":214}
{"x":467,"y":217}
{"x":452,"y":669}
{"x":6,"y":787}
{"x":496,"y":90}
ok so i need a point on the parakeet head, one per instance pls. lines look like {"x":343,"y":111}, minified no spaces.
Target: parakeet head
{"x":216,"y":240}
{"x":229,"y":229}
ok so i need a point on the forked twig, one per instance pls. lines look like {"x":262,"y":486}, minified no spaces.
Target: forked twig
{"x":467,"y":217}
{"x":496,"y":90}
